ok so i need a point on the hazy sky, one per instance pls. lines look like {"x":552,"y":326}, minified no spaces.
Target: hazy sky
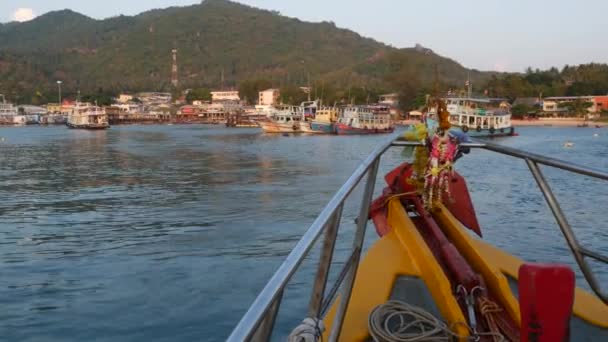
{"x":504,"y":35}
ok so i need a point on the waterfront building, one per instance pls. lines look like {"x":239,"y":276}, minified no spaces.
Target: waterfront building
{"x":33,"y":114}
{"x":208,"y":112}
{"x":151,"y":99}
{"x":269,"y":97}
{"x":600,"y":103}
{"x":552,"y":105}
{"x":53,"y":108}
{"x":228,"y":95}
{"x":391,"y":99}
{"x":124,"y":98}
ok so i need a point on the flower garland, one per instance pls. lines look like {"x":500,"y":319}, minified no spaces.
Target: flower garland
{"x":439,"y":170}
{"x":433,"y":163}
{"x":421,"y":156}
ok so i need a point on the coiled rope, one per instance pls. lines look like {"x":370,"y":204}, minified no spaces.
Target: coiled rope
{"x":311,"y":330}
{"x":396,"y":321}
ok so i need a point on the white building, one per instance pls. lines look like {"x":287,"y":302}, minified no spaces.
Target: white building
{"x":199,"y":102}
{"x":130,"y":108}
{"x":124,"y":98}
{"x":229,"y":95}
{"x":552,"y":104}
{"x":269,"y":97}
{"x":155,"y":99}
{"x":32,"y":110}
{"x":389,"y":99}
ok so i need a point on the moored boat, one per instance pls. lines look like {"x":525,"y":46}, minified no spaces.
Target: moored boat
{"x":9,"y":114}
{"x":428,"y":277}
{"x":364,"y":120}
{"x":87,"y":116}
{"x":305,"y":126}
{"x":478,"y":117}
{"x":287,"y":119}
{"x":244,"y":120}
{"x":325,"y":120}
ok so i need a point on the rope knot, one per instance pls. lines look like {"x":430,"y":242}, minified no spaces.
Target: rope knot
{"x":310,"y":330}
{"x":487,"y":306}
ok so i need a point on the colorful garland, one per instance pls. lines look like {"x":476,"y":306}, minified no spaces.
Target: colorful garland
{"x":421,"y":156}
{"x":433,"y":163}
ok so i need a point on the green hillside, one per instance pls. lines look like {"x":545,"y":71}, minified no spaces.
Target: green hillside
{"x":215,"y":38}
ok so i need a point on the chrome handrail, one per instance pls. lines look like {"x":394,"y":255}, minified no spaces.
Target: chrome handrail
{"x":258,"y":322}
{"x":533,"y":160}
{"x":247,"y":327}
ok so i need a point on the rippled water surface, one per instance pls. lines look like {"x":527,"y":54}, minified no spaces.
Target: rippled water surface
{"x":167,"y":233}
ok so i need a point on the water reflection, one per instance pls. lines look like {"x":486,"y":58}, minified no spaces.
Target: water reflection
{"x":169,"y":232}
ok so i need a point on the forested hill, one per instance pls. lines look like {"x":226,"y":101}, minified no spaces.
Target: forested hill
{"x":214,"y":38}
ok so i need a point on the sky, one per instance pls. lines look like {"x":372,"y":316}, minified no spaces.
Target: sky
{"x":500,"y":35}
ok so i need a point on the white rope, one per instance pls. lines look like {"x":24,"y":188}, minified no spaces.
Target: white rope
{"x":310,"y":330}
{"x":396,"y":321}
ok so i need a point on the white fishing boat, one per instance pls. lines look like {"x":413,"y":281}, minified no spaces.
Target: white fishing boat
{"x":9,"y":114}
{"x":88,"y":116}
{"x":287,"y":119}
{"x":477,"y":116}
{"x":364,"y":120}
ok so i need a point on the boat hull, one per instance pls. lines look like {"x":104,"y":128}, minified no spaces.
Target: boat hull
{"x":88,"y":126}
{"x":504,"y":132}
{"x":323,"y":127}
{"x":477,"y":132}
{"x":274,"y":127}
{"x":305,"y":127}
{"x":342,"y":129}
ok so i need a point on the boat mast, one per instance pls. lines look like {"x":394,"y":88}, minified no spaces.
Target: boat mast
{"x":469,"y":86}
{"x":308,"y":86}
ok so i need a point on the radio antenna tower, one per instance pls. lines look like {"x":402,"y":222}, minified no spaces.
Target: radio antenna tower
{"x":174,"y":79}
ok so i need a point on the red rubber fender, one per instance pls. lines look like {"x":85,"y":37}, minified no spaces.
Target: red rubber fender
{"x":546,"y":296}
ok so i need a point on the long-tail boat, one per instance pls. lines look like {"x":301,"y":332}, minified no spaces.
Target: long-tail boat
{"x":430,"y":276}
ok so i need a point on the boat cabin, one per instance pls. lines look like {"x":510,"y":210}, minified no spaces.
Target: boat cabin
{"x":365,"y":117}
{"x":288,"y":114}
{"x":327,"y":114}
{"x":85,"y":114}
{"x":478,"y":113}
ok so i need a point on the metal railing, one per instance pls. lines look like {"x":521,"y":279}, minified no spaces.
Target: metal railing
{"x":258,"y":322}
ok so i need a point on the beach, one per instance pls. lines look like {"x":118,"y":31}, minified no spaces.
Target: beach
{"x":561,"y":122}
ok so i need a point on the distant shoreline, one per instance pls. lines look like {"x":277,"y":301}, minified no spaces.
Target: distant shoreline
{"x":546,"y":122}
{"x":558,"y":122}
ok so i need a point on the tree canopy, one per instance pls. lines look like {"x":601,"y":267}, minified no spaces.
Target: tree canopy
{"x":225,"y":44}
{"x":577,"y":107}
{"x":219,"y":43}
{"x":200,"y":94}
